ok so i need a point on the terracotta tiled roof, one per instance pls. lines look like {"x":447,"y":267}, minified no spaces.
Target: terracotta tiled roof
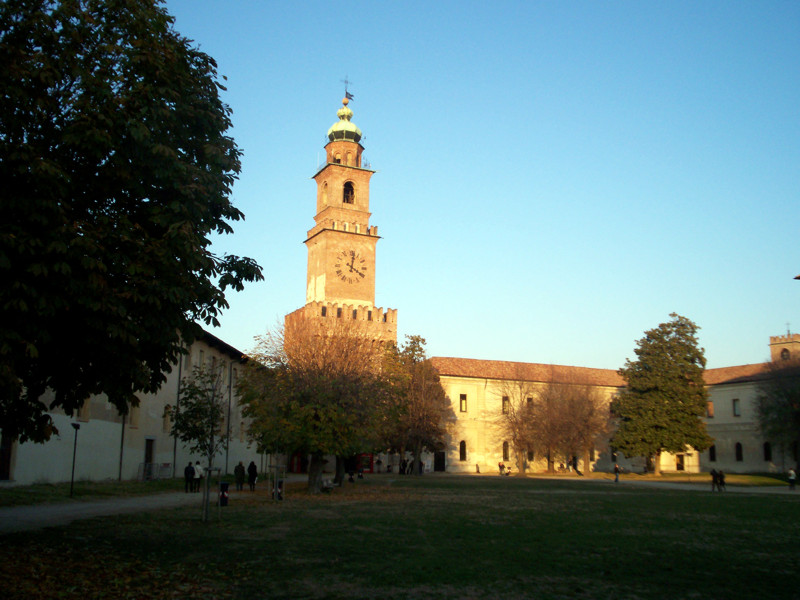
{"x":740,"y":374}
{"x":515,"y":371}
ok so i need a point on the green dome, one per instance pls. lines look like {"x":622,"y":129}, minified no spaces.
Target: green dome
{"x":344,"y":129}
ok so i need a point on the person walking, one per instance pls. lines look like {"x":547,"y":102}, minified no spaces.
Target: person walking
{"x":238,"y":474}
{"x":198,"y":476}
{"x":188,"y":477}
{"x":721,"y":481}
{"x":252,"y":475}
{"x":616,"y":473}
{"x":792,"y":478}
{"x":714,"y":480}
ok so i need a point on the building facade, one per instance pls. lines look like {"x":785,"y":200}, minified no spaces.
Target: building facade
{"x":476,"y":389}
{"x":108,"y":446}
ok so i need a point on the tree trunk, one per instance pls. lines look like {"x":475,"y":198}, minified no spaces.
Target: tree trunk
{"x":587,"y":461}
{"x":657,"y":464}
{"x":520,"y":460}
{"x":315,"y":473}
{"x":417,"y":460}
{"x":551,"y":461}
{"x":338,"y":478}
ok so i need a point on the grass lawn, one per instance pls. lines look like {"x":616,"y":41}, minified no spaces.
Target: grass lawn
{"x":440,"y":536}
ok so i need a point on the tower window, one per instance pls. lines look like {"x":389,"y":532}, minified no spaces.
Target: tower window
{"x":737,"y":409}
{"x":463,"y":402}
{"x":355,"y":313}
{"x":506,"y":405}
{"x":369,"y":315}
{"x":462,"y":450}
{"x":505,"y":451}
{"x":712,"y":454}
{"x":767,"y":451}
{"x":324,"y":311}
{"x":739,"y":453}
{"x":785,"y":354}
{"x":349,"y":194}
{"x":338,"y":313}
{"x":710,"y":409}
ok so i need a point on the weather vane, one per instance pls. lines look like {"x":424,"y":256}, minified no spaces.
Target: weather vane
{"x":346,"y":83}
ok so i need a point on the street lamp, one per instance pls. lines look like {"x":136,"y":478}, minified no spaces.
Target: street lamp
{"x":75,"y":426}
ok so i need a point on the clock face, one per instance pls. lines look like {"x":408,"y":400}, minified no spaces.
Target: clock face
{"x":350,"y":266}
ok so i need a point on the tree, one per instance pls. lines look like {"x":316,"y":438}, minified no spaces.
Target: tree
{"x":586,"y":422}
{"x":660,"y":408}
{"x":199,"y":419}
{"x":314,"y":388}
{"x":116,"y":171}
{"x":515,"y":423}
{"x":426,"y":411}
{"x":778,"y":405}
{"x":547,"y":422}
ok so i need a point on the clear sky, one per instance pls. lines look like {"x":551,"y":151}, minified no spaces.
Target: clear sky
{"x":554,"y":178}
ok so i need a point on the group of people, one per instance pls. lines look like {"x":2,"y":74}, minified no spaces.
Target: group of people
{"x":252,"y":476}
{"x":406,"y":467}
{"x":717,"y":480}
{"x":193,"y":476}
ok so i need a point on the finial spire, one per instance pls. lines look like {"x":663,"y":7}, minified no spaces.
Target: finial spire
{"x":347,"y":95}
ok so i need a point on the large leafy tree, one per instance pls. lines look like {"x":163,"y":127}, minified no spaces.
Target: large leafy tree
{"x":316,"y":388}
{"x":778,"y":405}
{"x":660,"y":408}
{"x":116,"y":170}
{"x":424,"y":411}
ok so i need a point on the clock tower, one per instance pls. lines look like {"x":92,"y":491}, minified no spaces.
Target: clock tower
{"x":340,"y":281}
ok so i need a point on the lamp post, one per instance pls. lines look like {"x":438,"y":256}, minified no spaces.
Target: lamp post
{"x":75,"y":426}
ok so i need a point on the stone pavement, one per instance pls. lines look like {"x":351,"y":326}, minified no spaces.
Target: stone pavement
{"x":39,"y":516}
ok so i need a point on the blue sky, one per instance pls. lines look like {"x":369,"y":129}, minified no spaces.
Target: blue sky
{"x":554,"y":178}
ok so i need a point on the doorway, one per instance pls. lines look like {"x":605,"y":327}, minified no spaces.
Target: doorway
{"x":5,"y":457}
{"x":438,"y":461}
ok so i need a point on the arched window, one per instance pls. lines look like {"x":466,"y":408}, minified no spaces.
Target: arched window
{"x":505,"y":450}
{"x":462,"y":451}
{"x":767,"y":451}
{"x":739,"y":455}
{"x":349,"y":195}
{"x":712,"y":454}
{"x":325,"y":193}
{"x":785,"y":354}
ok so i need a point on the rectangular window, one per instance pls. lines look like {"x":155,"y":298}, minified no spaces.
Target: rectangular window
{"x":463,"y":402}
{"x":133,"y":417}
{"x":710,"y":409}
{"x":506,"y":405}
{"x":712,"y":454}
{"x":338,"y":313}
{"x":85,"y":410}
{"x":355,"y":314}
{"x":324,"y":311}
{"x":737,"y":409}
{"x":369,"y":315}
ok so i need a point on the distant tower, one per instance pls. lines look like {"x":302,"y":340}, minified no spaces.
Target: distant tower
{"x":784,"y":347}
{"x":340,"y":281}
